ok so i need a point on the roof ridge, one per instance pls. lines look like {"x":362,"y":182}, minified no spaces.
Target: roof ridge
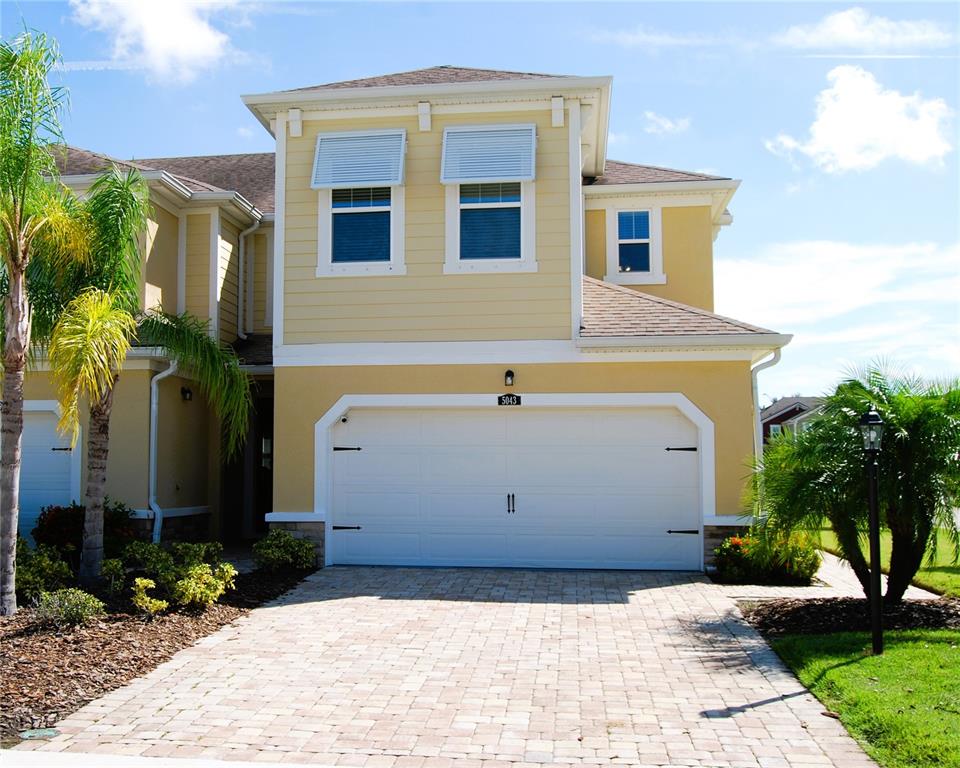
{"x":109,"y":158}
{"x":707,"y":176}
{"x":676,"y":305}
{"x":201,"y":157}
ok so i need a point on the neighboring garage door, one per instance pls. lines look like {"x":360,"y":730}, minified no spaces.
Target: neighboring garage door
{"x":584,"y":488}
{"x":44,"y":469}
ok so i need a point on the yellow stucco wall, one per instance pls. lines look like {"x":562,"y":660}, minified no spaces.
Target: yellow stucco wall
{"x":128,"y":458}
{"x":722,"y":390}
{"x":425,"y":304}
{"x":160,"y":261}
{"x":197,"y":281}
{"x":687,"y":253}
{"x":261,"y":324}
{"x":228,"y":274}
{"x":182,"y":445}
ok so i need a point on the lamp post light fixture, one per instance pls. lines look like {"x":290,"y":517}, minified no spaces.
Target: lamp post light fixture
{"x":871,"y":427}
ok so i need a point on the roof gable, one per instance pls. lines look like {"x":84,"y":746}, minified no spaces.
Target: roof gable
{"x":619,"y":172}
{"x":430,"y":76}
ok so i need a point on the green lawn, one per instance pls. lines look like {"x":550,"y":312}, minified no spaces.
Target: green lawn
{"x":903,"y":707}
{"x":941,"y":576}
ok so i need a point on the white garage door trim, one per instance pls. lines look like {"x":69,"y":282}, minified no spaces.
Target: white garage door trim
{"x":323,"y":439}
{"x":52,"y":406}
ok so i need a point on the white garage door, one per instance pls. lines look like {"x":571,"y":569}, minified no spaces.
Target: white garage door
{"x":586,"y":488}
{"x":44,"y":469}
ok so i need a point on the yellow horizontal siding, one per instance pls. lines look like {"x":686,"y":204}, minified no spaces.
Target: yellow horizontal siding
{"x":198,"y":266}
{"x":228,"y":273}
{"x":259,"y":248}
{"x":425,"y":304}
{"x":160,"y":261}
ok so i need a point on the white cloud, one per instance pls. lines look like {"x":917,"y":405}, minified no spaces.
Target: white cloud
{"x":174,"y":40}
{"x":658,"y":124}
{"x":859,"y":30}
{"x":848,"y":304}
{"x":245,"y":133}
{"x":807,"y":282}
{"x":859,"y":124}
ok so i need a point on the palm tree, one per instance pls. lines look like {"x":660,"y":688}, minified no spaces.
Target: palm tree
{"x":95,"y":329}
{"x":817,"y":476}
{"x":32,"y":209}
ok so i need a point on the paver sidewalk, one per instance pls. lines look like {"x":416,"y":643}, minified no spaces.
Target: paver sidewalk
{"x":475,"y":668}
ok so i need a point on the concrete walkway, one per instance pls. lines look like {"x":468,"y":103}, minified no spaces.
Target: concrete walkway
{"x":475,"y":668}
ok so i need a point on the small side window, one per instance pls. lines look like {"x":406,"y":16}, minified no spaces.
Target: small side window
{"x":633,"y":241}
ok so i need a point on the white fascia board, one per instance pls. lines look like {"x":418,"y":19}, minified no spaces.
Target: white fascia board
{"x":84,"y":180}
{"x":555,"y":84}
{"x":767,"y":341}
{"x":700,"y":185}
{"x":235,"y":199}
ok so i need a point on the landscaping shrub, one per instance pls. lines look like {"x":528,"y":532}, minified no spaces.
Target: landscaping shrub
{"x":39,"y":569}
{"x":188,"y":575}
{"x":62,"y":528}
{"x":114,"y":575}
{"x":67,"y":607}
{"x":760,"y":558}
{"x":144,"y":602}
{"x":281,"y":551}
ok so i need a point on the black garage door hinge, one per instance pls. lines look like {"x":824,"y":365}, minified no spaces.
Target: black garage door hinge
{"x":344,"y":448}
{"x":346,"y":527}
{"x":690,"y":448}
{"x":688,"y":531}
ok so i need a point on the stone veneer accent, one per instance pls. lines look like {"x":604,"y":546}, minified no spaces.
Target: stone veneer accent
{"x":713,"y":535}
{"x":314,"y":531}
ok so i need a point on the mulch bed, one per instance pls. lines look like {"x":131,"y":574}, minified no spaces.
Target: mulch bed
{"x":46,"y":673}
{"x":819,"y":616}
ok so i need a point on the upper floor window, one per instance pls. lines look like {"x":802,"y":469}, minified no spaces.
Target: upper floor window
{"x":490,"y":200}
{"x":359,"y":178}
{"x":634,"y":248}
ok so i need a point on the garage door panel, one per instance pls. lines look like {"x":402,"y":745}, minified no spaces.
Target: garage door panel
{"x":45,"y":475}
{"x":591,"y":488}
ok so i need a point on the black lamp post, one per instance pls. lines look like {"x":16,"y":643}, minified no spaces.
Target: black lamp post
{"x":871,"y":426}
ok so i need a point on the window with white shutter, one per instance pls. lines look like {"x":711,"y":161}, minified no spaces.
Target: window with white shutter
{"x":488,"y":153}
{"x":355,"y":159}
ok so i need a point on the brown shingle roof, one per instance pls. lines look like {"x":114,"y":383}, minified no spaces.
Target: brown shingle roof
{"x":256,"y":349}
{"x":614,"y":311}
{"x":430,"y":76}
{"x":73,"y":161}
{"x":251,"y":175}
{"x":619,"y":172}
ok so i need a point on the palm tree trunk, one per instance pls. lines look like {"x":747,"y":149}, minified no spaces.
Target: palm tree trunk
{"x":17,"y":316}
{"x":849,"y":541}
{"x":91,"y":557}
{"x":908,"y":540}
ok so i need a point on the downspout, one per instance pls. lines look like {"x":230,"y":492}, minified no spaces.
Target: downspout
{"x":240,"y":290}
{"x":152,"y":471}
{"x":757,"y":426}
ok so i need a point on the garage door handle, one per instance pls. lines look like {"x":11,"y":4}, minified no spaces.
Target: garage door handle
{"x":690,"y":531}
{"x":68,"y":450}
{"x":690,"y":448}
{"x":344,"y":448}
{"x":346,"y":527}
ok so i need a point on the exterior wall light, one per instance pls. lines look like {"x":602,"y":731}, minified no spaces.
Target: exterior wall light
{"x":186,"y":394}
{"x":508,"y":378}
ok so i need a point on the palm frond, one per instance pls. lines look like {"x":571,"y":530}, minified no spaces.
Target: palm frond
{"x":88,"y":347}
{"x":215,"y":367}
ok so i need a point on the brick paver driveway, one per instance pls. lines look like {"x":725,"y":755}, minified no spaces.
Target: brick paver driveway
{"x":455,"y":667}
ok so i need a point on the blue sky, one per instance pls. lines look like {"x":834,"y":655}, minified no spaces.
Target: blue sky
{"x":840,"y":119}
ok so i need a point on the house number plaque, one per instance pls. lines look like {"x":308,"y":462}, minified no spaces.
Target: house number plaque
{"x":508,"y":400}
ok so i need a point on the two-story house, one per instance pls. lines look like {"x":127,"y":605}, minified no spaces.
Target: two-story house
{"x":477,"y":341}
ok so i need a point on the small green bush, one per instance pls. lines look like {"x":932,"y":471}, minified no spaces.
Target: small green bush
{"x":281,"y":551}
{"x":67,"y":607}
{"x":40,"y":570}
{"x":187,"y":575}
{"x":114,"y":575}
{"x":62,"y":528}
{"x":143,"y":602}
{"x":202,"y":584}
{"x":764,"y":558}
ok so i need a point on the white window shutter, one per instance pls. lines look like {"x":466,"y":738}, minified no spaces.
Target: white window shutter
{"x":489,"y":153}
{"x":366,"y":159}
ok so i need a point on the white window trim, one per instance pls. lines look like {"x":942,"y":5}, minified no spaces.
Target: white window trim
{"x":528,"y":234}
{"x":656,"y":275}
{"x":325,"y":212}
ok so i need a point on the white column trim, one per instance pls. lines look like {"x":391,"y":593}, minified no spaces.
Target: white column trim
{"x":279,"y":195}
{"x":215,"y":286}
{"x":268,"y":288}
{"x":323,"y":435}
{"x":182,"y":263}
{"x":576,"y":219}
